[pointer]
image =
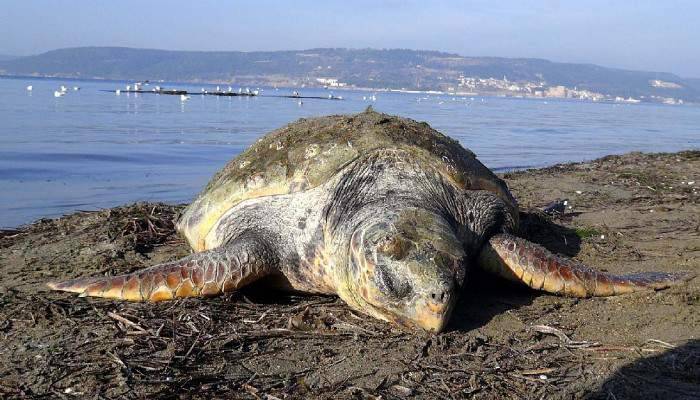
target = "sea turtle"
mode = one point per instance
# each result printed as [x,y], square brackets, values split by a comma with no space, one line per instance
[383,211]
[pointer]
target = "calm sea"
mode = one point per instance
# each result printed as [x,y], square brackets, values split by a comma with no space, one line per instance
[91,149]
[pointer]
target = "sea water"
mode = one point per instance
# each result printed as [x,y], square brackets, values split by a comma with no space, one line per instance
[91,149]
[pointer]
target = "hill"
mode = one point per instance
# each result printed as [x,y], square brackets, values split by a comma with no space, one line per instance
[370,68]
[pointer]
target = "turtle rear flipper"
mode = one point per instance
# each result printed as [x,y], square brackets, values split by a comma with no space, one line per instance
[207,273]
[519,260]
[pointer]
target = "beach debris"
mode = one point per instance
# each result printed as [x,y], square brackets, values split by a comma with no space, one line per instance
[401,390]
[557,207]
[550,330]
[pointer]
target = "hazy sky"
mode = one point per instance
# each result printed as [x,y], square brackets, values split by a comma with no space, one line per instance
[648,35]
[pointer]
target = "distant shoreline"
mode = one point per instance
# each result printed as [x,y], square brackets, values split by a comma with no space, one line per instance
[344,88]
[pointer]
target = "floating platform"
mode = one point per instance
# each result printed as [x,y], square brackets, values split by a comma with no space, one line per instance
[170,92]
[176,92]
[309,97]
[225,94]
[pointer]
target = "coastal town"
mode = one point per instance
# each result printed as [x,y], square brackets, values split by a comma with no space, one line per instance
[506,87]
[474,86]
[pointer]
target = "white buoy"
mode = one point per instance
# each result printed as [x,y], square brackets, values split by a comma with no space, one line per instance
[184,97]
[30,88]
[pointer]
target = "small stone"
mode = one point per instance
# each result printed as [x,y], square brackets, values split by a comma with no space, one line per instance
[602,236]
[578,192]
[401,390]
[543,377]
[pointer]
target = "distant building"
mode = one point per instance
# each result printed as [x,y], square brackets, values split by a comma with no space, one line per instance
[556,91]
[332,82]
[663,84]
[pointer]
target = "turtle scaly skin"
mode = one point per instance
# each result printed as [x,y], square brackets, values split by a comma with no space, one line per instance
[382,211]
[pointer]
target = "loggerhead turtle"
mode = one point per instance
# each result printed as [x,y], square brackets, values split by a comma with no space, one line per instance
[383,211]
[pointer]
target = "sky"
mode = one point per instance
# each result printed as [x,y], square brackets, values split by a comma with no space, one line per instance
[642,35]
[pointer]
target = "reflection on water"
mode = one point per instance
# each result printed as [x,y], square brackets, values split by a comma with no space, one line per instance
[93,149]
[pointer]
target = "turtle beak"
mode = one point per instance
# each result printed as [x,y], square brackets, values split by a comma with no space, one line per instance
[433,313]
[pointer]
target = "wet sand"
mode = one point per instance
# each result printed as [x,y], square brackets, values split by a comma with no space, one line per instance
[636,212]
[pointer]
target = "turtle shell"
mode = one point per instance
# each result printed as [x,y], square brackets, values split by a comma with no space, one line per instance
[308,152]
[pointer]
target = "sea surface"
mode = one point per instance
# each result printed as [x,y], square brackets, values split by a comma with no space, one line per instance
[92,149]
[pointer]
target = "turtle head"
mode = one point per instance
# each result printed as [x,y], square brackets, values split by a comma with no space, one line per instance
[405,267]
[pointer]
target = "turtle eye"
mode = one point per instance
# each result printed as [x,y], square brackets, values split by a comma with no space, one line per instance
[388,283]
[395,247]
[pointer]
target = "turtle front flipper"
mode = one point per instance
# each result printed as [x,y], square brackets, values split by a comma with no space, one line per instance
[208,273]
[519,260]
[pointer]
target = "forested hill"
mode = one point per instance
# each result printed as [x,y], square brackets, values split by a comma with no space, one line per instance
[372,68]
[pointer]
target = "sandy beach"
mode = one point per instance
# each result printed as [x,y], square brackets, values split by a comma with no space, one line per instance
[636,212]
